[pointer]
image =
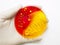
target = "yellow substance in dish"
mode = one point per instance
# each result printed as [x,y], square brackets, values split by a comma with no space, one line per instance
[37,26]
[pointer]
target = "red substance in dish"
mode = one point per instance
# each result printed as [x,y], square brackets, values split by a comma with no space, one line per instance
[23,18]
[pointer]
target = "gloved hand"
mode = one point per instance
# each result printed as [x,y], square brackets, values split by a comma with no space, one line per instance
[8,33]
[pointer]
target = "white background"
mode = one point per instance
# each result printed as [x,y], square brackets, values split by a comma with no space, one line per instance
[52,11]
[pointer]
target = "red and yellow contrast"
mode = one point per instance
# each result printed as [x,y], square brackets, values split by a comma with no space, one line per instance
[30,22]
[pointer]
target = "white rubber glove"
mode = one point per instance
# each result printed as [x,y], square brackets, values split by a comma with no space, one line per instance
[8,33]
